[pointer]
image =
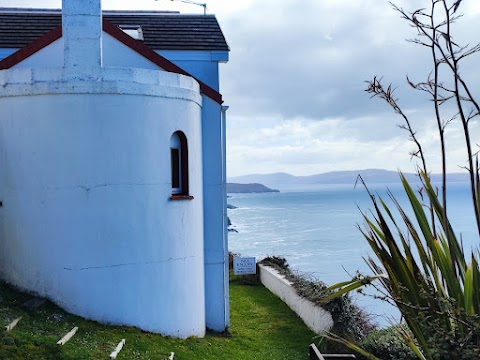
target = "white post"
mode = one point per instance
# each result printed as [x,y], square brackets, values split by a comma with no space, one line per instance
[14,323]
[82,35]
[117,350]
[68,336]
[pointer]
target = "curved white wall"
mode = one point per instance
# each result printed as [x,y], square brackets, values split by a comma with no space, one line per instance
[85,184]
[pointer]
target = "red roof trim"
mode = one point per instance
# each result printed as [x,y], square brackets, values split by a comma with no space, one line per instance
[32,48]
[157,59]
[118,34]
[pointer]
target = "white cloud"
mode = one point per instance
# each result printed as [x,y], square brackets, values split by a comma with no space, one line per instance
[306,146]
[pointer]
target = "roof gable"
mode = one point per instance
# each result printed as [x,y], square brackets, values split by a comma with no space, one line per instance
[157,59]
[119,35]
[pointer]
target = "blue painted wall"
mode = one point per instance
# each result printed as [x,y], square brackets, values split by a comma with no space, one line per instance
[201,64]
[214,213]
[6,52]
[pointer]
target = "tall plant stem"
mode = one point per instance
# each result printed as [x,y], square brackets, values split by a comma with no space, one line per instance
[441,130]
[463,118]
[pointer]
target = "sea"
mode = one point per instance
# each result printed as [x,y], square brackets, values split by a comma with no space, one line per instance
[315,227]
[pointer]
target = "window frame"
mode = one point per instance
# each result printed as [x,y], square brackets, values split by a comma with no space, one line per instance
[179,167]
[134,31]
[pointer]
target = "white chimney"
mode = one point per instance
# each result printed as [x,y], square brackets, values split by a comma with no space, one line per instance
[82,35]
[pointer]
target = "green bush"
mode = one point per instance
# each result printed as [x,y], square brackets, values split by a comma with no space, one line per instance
[388,344]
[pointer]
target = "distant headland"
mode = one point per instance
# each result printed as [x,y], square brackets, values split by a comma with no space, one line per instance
[370,176]
[235,188]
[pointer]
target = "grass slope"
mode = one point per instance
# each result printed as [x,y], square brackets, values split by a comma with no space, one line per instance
[262,327]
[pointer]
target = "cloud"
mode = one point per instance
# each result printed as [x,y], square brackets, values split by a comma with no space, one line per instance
[281,61]
[296,84]
[305,146]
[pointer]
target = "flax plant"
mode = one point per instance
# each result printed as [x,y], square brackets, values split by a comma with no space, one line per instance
[419,263]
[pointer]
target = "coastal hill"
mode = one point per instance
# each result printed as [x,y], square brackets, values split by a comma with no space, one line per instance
[371,176]
[235,188]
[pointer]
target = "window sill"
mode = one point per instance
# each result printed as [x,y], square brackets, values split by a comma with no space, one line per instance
[181,197]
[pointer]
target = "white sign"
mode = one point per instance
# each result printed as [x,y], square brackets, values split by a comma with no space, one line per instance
[244,266]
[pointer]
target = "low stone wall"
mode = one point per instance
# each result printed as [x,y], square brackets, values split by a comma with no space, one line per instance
[316,318]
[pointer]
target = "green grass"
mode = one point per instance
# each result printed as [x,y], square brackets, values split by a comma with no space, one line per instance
[262,327]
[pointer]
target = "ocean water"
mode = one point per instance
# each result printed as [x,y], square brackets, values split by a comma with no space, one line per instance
[315,228]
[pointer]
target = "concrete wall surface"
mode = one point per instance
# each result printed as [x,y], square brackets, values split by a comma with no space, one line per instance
[316,318]
[111,80]
[87,219]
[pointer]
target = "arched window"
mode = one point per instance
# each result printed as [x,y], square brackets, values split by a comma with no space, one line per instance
[179,165]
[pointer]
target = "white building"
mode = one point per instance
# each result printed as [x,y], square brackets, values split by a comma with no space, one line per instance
[112,165]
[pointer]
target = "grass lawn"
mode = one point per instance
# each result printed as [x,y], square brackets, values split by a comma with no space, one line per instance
[262,327]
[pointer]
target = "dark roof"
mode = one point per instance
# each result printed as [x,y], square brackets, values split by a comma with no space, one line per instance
[161,30]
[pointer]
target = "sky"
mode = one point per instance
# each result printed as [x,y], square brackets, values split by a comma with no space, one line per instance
[296,78]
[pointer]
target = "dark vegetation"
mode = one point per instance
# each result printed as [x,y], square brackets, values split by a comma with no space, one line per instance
[386,344]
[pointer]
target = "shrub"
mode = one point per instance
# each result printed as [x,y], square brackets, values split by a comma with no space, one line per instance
[388,344]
